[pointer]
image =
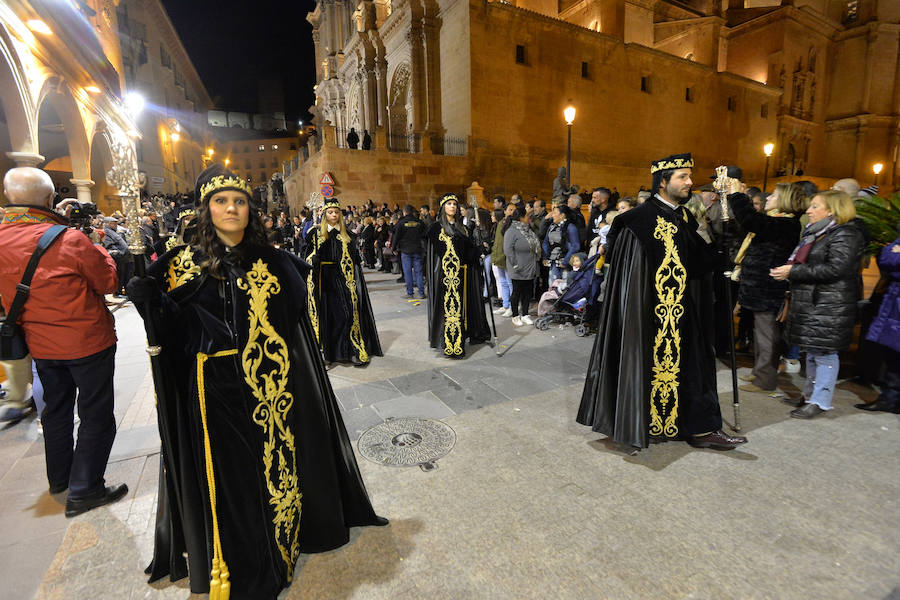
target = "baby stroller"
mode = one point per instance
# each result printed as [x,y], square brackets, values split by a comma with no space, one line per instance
[578,303]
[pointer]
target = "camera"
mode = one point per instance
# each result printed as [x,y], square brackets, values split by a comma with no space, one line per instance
[82,213]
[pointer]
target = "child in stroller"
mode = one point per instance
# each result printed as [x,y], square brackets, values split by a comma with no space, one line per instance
[574,300]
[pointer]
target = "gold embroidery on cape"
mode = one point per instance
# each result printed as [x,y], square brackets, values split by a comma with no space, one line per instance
[670,282]
[450,265]
[171,243]
[350,280]
[219,586]
[311,290]
[266,365]
[182,268]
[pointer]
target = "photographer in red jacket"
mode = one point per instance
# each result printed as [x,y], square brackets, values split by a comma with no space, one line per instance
[70,334]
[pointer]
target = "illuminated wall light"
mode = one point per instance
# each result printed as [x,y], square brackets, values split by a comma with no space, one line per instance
[176,136]
[38,26]
[92,89]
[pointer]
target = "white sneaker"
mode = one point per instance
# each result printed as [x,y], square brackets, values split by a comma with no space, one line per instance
[500,311]
[517,321]
[507,312]
[527,320]
[791,365]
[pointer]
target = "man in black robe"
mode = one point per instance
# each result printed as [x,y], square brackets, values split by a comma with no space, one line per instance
[652,372]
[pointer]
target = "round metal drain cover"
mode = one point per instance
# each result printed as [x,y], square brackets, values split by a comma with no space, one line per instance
[407,442]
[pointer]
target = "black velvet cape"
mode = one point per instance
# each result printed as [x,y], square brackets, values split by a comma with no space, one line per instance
[339,306]
[249,424]
[652,371]
[455,305]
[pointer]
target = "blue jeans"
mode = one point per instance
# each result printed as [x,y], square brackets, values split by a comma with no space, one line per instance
[793,352]
[557,271]
[487,270]
[821,374]
[412,268]
[504,285]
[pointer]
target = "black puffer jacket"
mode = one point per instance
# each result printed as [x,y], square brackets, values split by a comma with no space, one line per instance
[774,239]
[825,290]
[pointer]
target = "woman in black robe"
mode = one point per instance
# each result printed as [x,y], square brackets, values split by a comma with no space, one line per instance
[338,300]
[257,465]
[455,304]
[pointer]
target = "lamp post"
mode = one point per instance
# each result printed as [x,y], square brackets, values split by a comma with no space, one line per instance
[569,115]
[876,168]
[767,150]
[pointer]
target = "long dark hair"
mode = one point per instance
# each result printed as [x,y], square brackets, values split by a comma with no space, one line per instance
[213,247]
[451,228]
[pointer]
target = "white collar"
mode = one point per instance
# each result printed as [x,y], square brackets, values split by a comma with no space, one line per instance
[667,203]
[331,228]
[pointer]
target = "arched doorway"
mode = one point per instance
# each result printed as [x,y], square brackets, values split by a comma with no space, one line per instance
[61,138]
[397,109]
[16,134]
[104,195]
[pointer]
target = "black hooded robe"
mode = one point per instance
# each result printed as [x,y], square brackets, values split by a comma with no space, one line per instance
[455,304]
[257,464]
[338,301]
[652,372]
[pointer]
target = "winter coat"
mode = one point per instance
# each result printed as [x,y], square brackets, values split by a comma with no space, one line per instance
[774,239]
[498,259]
[885,329]
[522,250]
[825,290]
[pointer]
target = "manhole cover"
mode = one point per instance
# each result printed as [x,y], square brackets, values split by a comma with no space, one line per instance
[407,442]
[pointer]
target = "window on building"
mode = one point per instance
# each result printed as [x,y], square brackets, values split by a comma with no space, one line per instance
[764,110]
[688,94]
[246,149]
[275,147]
[247,164]
[293,146]
[645,84]
[261,148]
[274,163]
[520,54]
[732,103]
[164,57]
[262,176]
[262,163]
[585,70]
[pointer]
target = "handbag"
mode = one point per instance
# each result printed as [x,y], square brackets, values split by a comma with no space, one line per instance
[12,338]
[785,308]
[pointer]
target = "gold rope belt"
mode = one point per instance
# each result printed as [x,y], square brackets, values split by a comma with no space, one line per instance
[219,586]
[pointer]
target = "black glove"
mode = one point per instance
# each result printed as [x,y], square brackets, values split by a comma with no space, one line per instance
[314,260]
[143,290]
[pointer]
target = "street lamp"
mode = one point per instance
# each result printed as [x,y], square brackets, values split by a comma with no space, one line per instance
[227,160]
[876,168]
[569,115]
[767,150]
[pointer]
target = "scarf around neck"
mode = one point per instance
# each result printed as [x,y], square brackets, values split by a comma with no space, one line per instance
[810,234]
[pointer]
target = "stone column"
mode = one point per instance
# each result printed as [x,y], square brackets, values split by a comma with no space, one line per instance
[382,90]
[612,18]
[83,189]
[434,124]
[416,77]
[25,159]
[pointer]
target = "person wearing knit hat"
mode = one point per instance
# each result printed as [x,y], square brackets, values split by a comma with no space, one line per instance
[453,264]
[652,374]
[257,465]
[338,300]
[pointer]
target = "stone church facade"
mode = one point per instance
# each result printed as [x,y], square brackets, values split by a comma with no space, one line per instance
[719,78]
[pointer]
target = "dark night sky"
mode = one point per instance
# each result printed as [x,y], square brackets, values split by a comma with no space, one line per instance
[234,43]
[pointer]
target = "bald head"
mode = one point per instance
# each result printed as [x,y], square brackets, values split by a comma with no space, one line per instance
[851,186]
[27,185]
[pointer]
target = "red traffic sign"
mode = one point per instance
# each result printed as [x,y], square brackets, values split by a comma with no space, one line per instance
[326,179]
[327,191]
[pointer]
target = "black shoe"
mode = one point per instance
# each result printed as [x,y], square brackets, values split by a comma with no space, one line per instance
[408,296]
[58,489]
[807,411]
[717,440]
[107,495]
[421,296]
[401,280]
[879,406]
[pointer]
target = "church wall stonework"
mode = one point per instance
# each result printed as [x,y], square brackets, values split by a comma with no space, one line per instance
[520,135]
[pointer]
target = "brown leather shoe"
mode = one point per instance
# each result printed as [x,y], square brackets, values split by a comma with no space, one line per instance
[717,440]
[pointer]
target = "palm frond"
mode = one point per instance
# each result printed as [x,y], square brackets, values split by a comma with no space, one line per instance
[881,216]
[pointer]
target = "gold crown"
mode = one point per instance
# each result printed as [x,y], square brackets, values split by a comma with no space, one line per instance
[331,203]
[187,213]
[678,163]
[221,182]
[448,197]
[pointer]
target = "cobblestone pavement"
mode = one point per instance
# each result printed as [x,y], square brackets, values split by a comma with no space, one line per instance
[527,505]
